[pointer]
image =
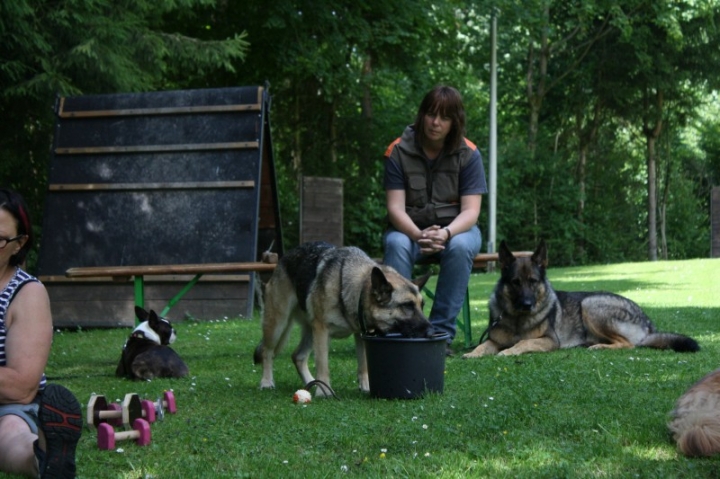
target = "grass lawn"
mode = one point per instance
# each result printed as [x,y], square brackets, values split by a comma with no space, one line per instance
[566,414]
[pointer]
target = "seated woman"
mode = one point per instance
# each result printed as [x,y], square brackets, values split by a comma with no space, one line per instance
[40,423]
[434,179]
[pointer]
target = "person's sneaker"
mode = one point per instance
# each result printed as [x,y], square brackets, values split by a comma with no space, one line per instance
[449,351]
[61,424]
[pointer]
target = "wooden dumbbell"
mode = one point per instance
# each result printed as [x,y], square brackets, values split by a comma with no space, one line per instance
[107,437]
[99,411]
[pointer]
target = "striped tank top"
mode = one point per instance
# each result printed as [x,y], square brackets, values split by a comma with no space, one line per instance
[20,279]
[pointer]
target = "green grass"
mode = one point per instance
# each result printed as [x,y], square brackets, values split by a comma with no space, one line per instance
[572,413]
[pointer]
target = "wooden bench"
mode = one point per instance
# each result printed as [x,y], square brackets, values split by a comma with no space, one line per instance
[124,273]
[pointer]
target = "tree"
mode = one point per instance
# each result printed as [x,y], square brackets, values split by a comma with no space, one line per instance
[675,48]
[578,99]
[82,47]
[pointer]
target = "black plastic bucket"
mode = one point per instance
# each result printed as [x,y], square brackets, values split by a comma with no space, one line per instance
[405,368]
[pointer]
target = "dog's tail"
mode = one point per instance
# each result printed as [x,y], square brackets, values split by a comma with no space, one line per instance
[677,342]
[697,433]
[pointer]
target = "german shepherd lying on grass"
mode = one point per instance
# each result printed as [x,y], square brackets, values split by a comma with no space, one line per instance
[528,315]
[333,293]
[696,418]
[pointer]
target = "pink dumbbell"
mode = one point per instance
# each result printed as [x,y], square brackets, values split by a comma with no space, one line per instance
[107,437]
[164,403]
[168,402]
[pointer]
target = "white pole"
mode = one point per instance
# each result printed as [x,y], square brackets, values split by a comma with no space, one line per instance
[492,234]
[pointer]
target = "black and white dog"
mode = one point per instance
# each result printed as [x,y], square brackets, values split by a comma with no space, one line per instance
[146,354]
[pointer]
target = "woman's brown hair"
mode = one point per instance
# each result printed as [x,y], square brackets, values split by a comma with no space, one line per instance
[445,101]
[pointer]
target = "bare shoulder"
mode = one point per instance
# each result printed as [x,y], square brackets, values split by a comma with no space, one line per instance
[32,291]
[30,301]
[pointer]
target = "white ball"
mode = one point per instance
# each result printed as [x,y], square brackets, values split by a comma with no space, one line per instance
[302,396]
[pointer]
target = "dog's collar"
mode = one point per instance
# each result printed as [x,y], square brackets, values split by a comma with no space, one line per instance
[486,334]
[361,314]
[144,331]
[137,334]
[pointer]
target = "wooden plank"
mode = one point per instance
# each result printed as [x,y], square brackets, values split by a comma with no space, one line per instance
[92,292]
[184,278]
[111,304]
[93,314]
[235,145]
[51,278]
[176,278]
[152,186]
[183,110]
[160,292]
[94,271]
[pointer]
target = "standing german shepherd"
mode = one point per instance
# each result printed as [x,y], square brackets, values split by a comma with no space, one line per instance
[334,292]
[527,315]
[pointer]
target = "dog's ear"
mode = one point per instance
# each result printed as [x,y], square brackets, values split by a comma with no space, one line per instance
[420,281]
[141,314]
[539,257]
[153,318]
[381,288]
[505,256]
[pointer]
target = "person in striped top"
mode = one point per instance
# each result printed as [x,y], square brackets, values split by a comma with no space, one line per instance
[40,423]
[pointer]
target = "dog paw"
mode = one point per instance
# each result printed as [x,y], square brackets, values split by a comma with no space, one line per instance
[267,384]
[516,351]
[488,348]
[512,352]
[364,384]
[321,393]
[478,353]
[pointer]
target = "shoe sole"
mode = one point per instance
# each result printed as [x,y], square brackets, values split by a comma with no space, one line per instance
[61,423]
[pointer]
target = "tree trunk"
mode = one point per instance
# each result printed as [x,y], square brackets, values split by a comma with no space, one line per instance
[651,134]
[332,131]
[652,200]
[536,91]
[582,195]
[367,156]
[535,95]
[297,142]
[663,211]
[587,126]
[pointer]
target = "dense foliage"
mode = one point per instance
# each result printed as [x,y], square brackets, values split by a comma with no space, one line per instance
[607,110]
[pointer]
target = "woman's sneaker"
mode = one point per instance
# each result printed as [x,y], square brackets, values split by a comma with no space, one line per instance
[61,424]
